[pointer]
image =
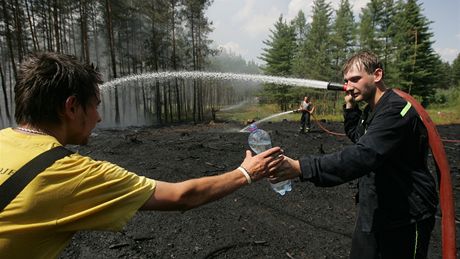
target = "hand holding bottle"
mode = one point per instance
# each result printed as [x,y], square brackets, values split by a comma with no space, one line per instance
[259,140]
[288,169]
[263,164]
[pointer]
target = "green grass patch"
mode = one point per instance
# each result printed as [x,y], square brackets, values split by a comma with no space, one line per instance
[446,107]
[440,115]
[445,116]
[251,112]
[260,111]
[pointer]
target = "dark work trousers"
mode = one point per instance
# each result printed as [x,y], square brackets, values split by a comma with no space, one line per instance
[398,243]
[305,121]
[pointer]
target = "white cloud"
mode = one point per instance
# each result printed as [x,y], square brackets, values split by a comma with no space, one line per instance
[260,24]
[296,5]
[356,5]
[246,12]
[254,19]
[447,54]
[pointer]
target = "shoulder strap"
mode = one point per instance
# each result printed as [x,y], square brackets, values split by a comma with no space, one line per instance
[19,180]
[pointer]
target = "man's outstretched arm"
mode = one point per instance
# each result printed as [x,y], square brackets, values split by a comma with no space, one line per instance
[195,192]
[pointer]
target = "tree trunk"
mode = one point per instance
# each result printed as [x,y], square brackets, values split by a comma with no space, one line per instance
[84,31]
[158,102]
[173,58]
[48,26]
[31,20]
[56,26]
[5,96]
[18,25]
[165,102]
[178,102]
[95,34]
[8,37]
[195,88]
[72,33]
[170,102]
[108,7]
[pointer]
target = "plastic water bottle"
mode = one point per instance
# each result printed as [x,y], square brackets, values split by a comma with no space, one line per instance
[259,141]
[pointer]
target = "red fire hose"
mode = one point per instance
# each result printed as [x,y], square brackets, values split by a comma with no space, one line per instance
[324,128]
[449,250]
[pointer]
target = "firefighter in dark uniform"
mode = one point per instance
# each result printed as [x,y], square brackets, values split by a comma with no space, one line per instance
[307,109]
[397,197]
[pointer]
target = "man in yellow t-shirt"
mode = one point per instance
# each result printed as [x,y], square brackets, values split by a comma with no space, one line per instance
[56,104]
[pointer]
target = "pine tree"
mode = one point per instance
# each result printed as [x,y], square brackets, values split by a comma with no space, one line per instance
[315,52]
[278,56]
[280,49]
[375,30]
[386,32]
[456,71]
[301,29]
[343,38]
[301,26]
[367,28]
[415,60]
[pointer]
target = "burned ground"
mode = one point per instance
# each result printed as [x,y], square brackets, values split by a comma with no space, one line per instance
[253,222]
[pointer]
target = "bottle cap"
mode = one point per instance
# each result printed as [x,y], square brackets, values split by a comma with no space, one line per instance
[252,127]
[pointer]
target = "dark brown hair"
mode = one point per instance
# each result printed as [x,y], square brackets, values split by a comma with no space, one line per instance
[363,60]
[44,83]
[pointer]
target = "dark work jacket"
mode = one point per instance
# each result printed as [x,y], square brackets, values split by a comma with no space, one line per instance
[390,159]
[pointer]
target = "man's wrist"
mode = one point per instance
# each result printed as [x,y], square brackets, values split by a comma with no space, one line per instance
[246,174]
[301,175]
[349,105]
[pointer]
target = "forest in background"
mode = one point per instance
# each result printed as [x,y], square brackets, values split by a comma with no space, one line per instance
[396,30]
[135,36]
[120,38]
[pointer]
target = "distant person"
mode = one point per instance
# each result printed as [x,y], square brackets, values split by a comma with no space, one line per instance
[397,197]
[213,113]
[56,104]
[306,108]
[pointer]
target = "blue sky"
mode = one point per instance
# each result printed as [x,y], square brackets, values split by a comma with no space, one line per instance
[242,25]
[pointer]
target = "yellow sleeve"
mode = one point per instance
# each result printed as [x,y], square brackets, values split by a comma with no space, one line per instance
[105,197]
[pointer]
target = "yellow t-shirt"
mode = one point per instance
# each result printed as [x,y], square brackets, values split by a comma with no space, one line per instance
[75,193]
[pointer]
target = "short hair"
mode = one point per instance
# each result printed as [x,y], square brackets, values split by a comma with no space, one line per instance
[363,60]
[45,81]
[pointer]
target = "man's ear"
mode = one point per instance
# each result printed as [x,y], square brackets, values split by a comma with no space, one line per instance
[378,75]
[70,107]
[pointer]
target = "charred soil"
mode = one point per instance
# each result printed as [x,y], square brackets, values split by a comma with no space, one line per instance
[253,222]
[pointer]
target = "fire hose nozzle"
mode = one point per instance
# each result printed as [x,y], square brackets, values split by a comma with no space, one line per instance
[336,86]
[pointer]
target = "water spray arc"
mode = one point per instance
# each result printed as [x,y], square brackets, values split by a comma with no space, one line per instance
[223,76]
[245,129]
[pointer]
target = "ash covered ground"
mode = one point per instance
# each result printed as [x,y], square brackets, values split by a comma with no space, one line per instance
[253,222]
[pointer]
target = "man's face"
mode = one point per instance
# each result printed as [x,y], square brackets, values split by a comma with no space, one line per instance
[87,120]
[360,85]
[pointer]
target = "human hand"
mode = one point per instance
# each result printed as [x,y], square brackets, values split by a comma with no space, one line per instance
[288,169]
[349,100]
[263,164]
